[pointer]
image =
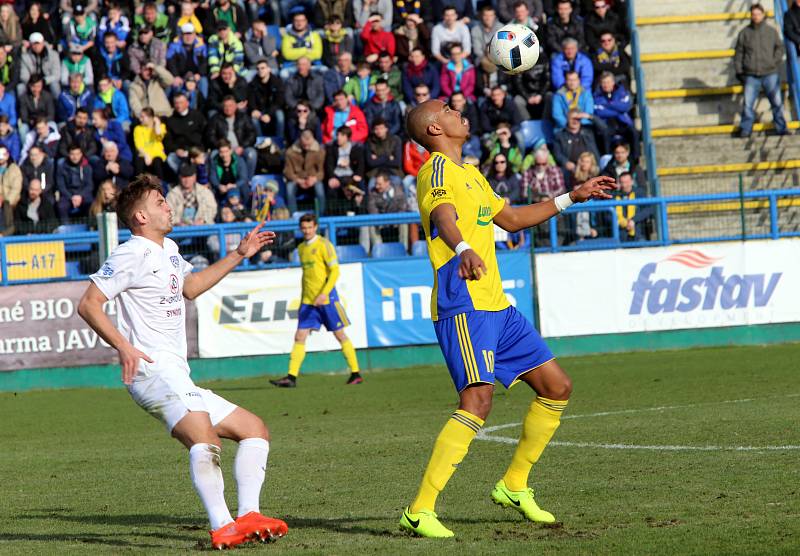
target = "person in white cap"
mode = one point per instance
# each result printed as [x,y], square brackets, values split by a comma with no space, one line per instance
[188,54]
[39,58]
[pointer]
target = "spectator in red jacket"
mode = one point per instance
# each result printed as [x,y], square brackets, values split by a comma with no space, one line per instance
[375,39]
[414,156]
[458,75]
[344,113]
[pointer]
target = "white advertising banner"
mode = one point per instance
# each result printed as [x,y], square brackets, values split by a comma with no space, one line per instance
[255,313]
[669,288]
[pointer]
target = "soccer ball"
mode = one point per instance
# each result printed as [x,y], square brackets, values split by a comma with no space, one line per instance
[514,48]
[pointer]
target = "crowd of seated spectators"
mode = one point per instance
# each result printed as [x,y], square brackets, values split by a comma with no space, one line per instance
[257,109]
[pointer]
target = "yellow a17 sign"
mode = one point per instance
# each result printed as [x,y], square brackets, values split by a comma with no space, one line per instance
[33,261]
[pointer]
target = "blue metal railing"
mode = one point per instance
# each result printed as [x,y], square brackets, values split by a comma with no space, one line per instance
[641,104]
[792,66]
[330,226]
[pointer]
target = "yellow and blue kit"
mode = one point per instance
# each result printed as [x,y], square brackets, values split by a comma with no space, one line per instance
[320,272]
[481,335]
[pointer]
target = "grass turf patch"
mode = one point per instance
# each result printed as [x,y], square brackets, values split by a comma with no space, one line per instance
[86,471]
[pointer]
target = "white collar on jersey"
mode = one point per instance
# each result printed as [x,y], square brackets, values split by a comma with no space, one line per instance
[312,240]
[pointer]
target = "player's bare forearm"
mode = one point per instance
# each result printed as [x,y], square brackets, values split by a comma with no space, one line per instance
[90,309]
[198,283]
[514,219]
[444,218]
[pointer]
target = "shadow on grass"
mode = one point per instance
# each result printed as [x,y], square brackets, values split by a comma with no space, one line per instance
[93,538]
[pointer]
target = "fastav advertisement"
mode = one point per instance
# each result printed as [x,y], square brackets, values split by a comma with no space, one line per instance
[668,288]
[40,328]
[255,313]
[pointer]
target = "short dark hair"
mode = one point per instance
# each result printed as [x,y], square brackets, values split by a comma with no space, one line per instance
[519,3]
[227,65]
[379,121]
[223,143]
[418,49]
[623,174]
[758,6]
[448,8]
[381,81]
[309,217]
[74,147]
[487,8]
[384,175]
[35,78]
[339,93]
[226,98]
[345,130]
[130,197]
[385,54]
[334,18]
[81,110]
[149,112]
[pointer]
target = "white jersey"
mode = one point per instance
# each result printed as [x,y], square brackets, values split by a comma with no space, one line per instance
[147,282]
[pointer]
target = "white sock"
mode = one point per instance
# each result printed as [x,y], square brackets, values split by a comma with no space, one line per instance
[249,469]
[207,479]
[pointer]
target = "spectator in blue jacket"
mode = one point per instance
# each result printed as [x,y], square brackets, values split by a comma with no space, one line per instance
[572,96]
[75,184]
[571,59]
[9,138]
[113,62]
[383,106]
[77,95]
[188,54]
[613,104]
[107,129]
[110,96]
[115,23]
[419,71]
[8,105]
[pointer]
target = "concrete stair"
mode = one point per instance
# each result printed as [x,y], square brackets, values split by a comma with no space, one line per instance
[688,61]
[673,7]
[719,149]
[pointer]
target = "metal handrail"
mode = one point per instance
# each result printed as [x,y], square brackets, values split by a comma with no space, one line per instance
[792,65]
[641,103]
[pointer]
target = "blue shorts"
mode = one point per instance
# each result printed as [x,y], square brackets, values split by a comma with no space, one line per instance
[484,346]
[331,315]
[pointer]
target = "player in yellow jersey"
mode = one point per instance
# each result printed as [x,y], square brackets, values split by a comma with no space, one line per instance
[320,304]
[483,338]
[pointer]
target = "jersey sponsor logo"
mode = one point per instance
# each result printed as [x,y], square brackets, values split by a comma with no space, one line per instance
[175,261]
[699,293]
[173,283]
[484,216]
[438,193]
[106,270]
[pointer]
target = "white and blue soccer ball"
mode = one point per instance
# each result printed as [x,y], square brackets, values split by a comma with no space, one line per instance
[514,48]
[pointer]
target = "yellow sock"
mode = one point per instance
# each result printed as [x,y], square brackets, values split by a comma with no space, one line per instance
[540,424]
[450,448]
[296,358]
[349,353]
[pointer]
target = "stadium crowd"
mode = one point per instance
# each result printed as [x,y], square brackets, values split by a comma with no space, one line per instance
[258,109]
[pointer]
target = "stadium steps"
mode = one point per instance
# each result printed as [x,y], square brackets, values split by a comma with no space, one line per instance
[695,107]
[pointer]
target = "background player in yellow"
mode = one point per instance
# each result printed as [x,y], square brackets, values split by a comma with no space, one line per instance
[320,304]
[483,338]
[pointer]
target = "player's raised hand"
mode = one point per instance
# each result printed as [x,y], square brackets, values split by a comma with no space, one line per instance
[471,266]
[129,359]
[254,241]
[595,188]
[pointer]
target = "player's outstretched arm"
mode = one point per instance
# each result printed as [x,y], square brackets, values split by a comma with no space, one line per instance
[444,218]
[514,219]
[202,281]
[90,309]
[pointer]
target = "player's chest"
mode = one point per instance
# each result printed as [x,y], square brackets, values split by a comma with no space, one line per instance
[162,279]
[473,202]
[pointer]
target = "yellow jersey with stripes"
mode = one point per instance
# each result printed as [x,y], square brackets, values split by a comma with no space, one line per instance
[441,181]
[318,258]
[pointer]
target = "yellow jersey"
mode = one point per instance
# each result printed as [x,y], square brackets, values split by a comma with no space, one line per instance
[320,269]
[442,181]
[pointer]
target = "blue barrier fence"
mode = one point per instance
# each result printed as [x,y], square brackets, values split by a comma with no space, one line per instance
[641,104]
[87,242]
[793,68]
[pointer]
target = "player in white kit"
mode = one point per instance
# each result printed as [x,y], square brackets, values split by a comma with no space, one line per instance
[149,279]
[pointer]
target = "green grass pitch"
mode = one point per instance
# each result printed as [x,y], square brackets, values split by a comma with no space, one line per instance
[87,472]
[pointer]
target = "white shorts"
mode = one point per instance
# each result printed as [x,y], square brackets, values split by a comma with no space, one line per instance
[169,394]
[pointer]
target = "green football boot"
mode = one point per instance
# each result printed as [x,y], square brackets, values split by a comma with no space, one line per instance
[424,524]
[522,501]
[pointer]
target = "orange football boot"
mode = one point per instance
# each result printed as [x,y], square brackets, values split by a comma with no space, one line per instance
[228,536]
[259,527]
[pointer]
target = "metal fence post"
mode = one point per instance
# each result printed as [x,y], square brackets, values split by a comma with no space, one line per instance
[773,216]
[741,207]
[3,261]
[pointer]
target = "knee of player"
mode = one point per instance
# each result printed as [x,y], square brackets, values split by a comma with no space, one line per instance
[559,390]
[260,429]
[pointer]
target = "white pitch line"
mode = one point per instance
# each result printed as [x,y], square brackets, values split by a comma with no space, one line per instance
[484,433]
[667,448]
